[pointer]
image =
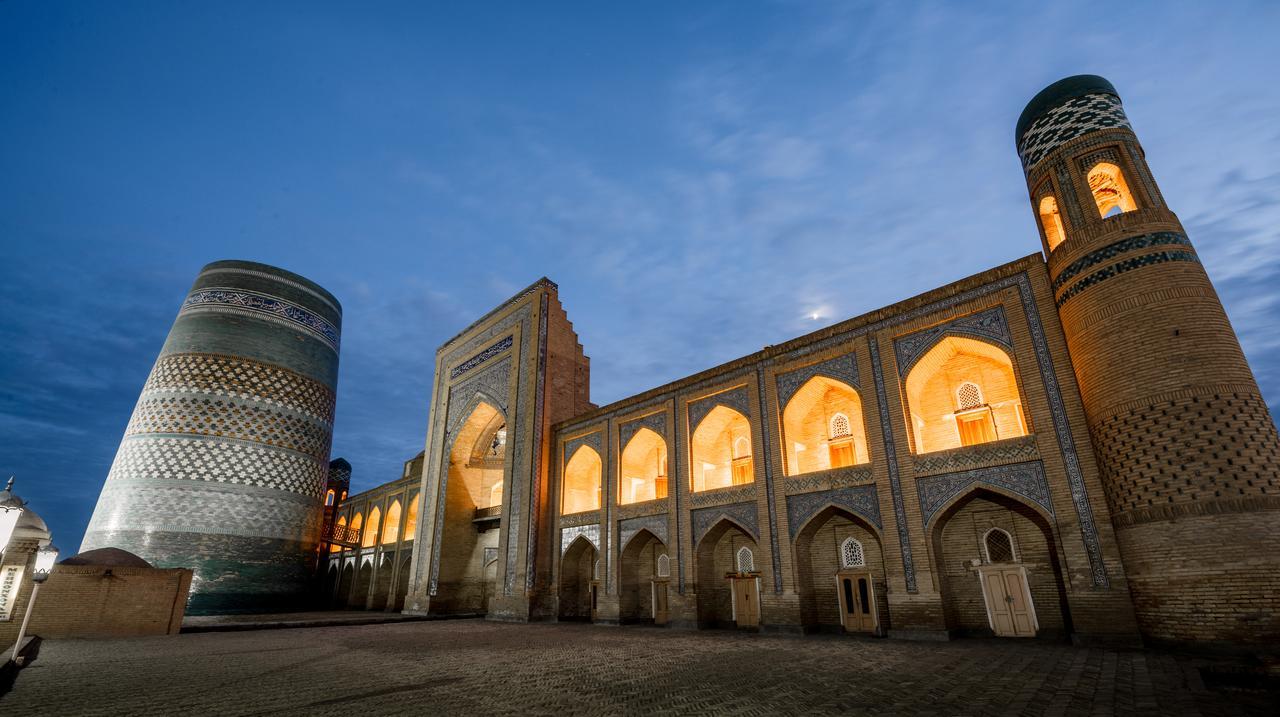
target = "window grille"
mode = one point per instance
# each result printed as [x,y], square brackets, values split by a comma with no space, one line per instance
[969,395]
[664,566]
[746,561]
[840,426]
[999,546]
[851,554]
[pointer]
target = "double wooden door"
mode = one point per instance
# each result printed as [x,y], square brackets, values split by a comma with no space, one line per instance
[1009,606]
[660,606]
[746,601]
[857,596]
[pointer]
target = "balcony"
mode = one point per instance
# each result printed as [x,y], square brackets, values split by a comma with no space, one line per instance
[487,518]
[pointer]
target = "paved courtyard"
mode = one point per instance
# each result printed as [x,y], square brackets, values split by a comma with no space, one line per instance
[481,668]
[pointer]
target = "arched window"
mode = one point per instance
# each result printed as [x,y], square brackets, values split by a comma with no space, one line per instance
[328,497]
[963,392]
[581,482]
[968,396]
[999,545]
[595,570]
[1110,191]
[664,566]
[391,526]
[342,524]
[746,560]
[851,554]
[411,523]
[344,496]
[721,450]
[370,537]
[644,468]
[823,428]
[1051,221]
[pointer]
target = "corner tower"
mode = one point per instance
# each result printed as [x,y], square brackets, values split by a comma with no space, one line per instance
[1188,450]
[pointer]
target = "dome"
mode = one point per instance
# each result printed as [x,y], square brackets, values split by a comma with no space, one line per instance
[1059,92]
[31,520]
[112,557]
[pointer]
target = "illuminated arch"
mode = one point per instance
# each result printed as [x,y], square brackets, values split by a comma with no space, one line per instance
[1110,190]
[411,523]
[370,537]
[342,523]
[329,497]
[1051,222]
[357,523]
[822,427]
[717,450]
[644,468]
[938,420]
[581,482]
[391,525]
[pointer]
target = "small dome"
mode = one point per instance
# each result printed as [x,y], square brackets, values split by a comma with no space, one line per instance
[1059,92]
[31,520]
[113,557]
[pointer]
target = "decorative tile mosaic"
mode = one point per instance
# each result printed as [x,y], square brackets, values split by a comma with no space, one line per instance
[891,461]
[648,507]
[278,279]
[489,386]
[743,514]
[656,524]
[595,439]
[1010,450]
[481,357]
[859,500]
[205,508]
[735,398]
[828,479]
[1023,479]
[212,374]
[986,324]
[656,422]
[770,501]
[1111,251]
[842,368]
[1123,266]
[229,417]
[587,518]
[722,496]
[532,545]
[262,306]
[218,460]
[1068,121]
[567,536]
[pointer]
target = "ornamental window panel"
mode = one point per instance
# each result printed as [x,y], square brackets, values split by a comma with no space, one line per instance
[851,555]
[968,396]
[664,566]
[746,560]
[999,546]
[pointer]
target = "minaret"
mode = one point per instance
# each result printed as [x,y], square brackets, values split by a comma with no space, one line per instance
[1188,450]
[223,466]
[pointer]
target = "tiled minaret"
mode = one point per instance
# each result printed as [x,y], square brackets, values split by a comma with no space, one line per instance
[223,465]
[1188,449]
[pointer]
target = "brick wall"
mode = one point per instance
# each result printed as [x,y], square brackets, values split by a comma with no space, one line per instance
[82,601]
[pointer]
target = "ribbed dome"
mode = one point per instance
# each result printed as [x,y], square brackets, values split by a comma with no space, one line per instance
[1059,92]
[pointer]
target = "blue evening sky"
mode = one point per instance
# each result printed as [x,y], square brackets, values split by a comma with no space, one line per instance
[700,178]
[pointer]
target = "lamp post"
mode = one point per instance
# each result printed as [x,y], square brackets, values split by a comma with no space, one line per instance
[11,508]
[45,558]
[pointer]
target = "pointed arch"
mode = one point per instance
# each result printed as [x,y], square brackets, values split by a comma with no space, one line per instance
[823,427]
[1051,222]
[411,522]
[370,537]
[581,487]
[937,421]
[391,524]
[1110,190]
[715,450]
[342,523]
[643,468]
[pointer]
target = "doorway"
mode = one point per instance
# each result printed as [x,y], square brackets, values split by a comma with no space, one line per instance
[1009,606]
[857,595]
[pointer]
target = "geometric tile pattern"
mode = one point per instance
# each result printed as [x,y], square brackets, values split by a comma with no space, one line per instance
[1123,266]
[735,398]
[1111,251]
[1024,479]
[841,368]
[656,422]
[481,357]
[164,506]
[827,480]
[218,461]
[987,324]
[1005,451]
[568,535]
[861,500]
[231,418]
[1068,121]
[656,524]
[213,374]
[260,306]
[743,514]
[891,461]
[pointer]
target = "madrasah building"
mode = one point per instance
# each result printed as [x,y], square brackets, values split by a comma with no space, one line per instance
[1068,445]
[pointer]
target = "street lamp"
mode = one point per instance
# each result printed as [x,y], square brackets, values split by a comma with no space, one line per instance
[11,508]
[45,559]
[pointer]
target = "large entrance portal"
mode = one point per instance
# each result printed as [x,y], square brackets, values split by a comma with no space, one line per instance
[840,574]
[473,510]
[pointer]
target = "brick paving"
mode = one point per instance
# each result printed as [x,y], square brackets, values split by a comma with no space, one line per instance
[476,667]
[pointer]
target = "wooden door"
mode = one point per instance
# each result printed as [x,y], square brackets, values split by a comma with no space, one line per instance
[660,602]
[1009,605]
[746,602]
[857,598]
[595,598]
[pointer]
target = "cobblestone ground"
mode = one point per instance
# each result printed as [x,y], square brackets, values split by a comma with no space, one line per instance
[481,668]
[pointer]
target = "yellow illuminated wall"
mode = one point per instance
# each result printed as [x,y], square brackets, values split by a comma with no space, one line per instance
[822,427]
[582,481]
[644,468]
[941,391]
[721,450]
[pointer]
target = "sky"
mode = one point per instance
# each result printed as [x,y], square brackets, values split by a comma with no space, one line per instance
[700,179]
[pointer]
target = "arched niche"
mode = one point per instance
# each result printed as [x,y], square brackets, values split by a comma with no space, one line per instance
[823,427]
[581,485]
[940,391]
[643,468]
[721,450]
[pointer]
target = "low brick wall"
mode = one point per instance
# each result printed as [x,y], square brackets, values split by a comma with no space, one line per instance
[106,601]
